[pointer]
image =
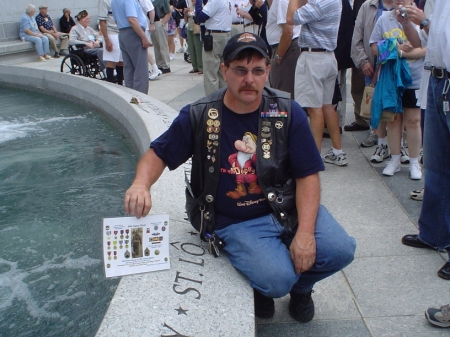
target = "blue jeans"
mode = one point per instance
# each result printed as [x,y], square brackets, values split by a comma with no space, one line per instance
[434,220]
[259,249]
[41,44]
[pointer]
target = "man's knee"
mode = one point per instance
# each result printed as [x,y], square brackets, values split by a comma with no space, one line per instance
[277,283]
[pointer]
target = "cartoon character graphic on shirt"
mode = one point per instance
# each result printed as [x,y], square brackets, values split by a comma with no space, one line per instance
[243,164]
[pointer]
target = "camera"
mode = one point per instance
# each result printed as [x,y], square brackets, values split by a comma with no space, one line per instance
[403,12]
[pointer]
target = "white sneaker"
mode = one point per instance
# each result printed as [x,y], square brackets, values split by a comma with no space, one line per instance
[339,160]
[171,57]
[415,171]
[41,59]
[391,168]
[154,74]
[181,50]
[404,159]
[381,153]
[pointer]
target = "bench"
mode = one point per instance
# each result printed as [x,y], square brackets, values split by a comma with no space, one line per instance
[10,42]
[13,47]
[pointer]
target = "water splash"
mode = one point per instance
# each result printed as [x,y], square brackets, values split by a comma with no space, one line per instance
[10,130]
[13,285]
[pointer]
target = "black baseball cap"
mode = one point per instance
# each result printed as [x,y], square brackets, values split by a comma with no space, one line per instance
[242,41]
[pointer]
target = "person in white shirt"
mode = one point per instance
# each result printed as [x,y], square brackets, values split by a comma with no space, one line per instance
[283,38]
[217,17]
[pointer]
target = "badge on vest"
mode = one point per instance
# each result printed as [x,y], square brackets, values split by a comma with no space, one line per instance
[213,113]
[274,112]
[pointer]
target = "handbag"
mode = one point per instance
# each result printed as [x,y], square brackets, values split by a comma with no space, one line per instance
[196,29]
[208,42]
[366,103]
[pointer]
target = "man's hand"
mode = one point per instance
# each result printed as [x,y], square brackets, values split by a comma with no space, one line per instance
[145,42]
[367,69]
[138,201]
[303,251]
[414,14]
[108,45]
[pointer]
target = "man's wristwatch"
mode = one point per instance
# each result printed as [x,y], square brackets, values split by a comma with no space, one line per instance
[425,22]
[278,57]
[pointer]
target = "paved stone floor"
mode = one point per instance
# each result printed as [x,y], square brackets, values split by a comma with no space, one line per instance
[387,288]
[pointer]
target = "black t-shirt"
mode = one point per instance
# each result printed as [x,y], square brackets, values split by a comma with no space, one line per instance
[239,196]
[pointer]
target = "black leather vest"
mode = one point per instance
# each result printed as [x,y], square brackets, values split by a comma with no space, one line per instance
[272,164]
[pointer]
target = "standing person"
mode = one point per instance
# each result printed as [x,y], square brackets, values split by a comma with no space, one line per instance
[159,35]
[133,43]
[66,22]
[434,219]
[357,82]
[45,25]
[283,39]
[255,20]
[279,253]
[172,25]
[387,27]
[180,6]
[29,31]
[342,54]
[316,72]
[149,12]
[364,60]
[193,39]
[111,48]
[216,15]
[83,34]
[237,20]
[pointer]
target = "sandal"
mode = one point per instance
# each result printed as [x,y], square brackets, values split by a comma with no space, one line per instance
[193,71]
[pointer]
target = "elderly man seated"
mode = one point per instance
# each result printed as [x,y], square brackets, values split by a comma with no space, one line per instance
[66,22]
[28,31]
[46,26]
[83,34]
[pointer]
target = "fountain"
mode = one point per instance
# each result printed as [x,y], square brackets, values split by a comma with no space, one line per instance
[63,168]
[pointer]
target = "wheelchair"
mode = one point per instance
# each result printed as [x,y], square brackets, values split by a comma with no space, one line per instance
[78,62]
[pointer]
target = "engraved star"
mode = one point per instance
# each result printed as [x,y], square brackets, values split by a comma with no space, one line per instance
[193,233]
[181,311]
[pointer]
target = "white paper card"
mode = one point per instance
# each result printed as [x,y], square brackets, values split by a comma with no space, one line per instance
[132,246]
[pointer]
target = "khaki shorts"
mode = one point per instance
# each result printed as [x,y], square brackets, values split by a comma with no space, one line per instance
[114,55]
[315,78]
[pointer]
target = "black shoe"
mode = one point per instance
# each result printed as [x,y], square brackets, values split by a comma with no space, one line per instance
[301,307]
[61,53]
[264,306]
[413,240]
[444,272]
[56,56]
[356,127]
[164,71]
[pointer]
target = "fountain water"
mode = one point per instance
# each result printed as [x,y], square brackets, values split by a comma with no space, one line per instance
[62,169]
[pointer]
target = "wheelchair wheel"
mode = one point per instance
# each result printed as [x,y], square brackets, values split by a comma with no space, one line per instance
[72,64]
[94,70]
